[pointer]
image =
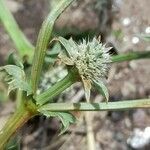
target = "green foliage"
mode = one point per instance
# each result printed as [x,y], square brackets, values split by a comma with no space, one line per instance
[100,86]
[70,47]
[52,54]
[131,56]
[102,106]
[14,60]
[65,117]
[43,42]
[13,144]
[16,79]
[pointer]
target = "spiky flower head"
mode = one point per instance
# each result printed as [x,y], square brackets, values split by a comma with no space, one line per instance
[91,58]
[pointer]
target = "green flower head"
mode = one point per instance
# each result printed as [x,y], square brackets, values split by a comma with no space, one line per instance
[92,60]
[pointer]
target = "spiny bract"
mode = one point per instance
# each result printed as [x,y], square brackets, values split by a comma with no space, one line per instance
[91,58]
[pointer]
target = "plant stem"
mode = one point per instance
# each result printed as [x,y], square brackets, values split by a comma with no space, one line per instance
[130,56]
[43,41]
[14,123]
[58,88]
[19,95]
[89,129]
[120,105]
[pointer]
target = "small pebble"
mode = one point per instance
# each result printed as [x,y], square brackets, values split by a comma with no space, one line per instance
[135,40]
[139,139]
[126,21]
[147,30]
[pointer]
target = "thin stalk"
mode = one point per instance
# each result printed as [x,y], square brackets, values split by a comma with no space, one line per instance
[120,105]
[57,88]
[22,44]
[26,110]
[131,56]
[90,133]
[19,95]
[15,122]
[43,41]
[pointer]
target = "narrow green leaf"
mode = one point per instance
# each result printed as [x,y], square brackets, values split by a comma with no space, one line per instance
[65,117]
[24,47]
[102,106]
[43,41]
[87,88]
[54,51]
[15,77]
[69,45]
[51,54]
[100,86]
[14,60]
[131,56]
[14,144]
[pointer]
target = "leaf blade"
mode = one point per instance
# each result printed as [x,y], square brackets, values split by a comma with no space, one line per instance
[87,88]
[43,42]
[65,117]
[69,45]
[15,77]
[100,86]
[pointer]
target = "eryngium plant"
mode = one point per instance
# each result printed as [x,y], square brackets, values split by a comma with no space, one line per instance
[88,62]
[91,59]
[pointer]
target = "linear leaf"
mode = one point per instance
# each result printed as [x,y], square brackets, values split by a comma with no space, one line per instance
[69,45]
[87,88]
[51,55]
[100,86]
[102,106]
[43,41]
[14,60]
[131,56]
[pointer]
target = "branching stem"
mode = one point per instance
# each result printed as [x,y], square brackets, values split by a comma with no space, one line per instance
[120,105]
[58,88]
[131,56]
[14,123]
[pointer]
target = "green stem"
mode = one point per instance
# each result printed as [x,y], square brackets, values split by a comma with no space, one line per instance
[19,95]
[22,44]
[26,110]
[58,88]
[130,56]
[14,123]
[43,42]
[120,105]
